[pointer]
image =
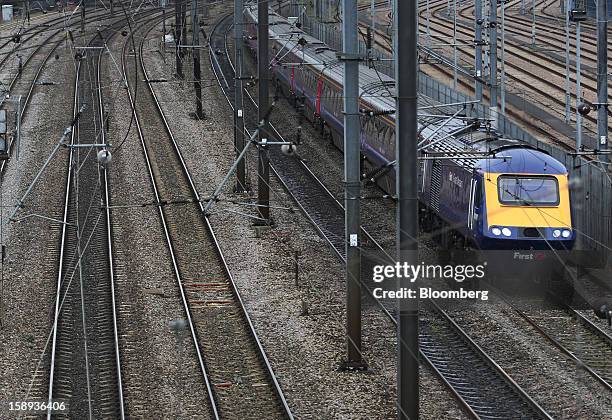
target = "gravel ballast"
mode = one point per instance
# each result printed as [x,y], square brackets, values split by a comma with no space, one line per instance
[305,350]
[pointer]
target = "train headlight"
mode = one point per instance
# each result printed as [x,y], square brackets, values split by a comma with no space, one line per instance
[556,233]
[506,231]
[566,233]
[496,231]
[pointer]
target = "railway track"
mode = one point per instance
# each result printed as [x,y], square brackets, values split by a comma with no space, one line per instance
[23,84]
[588,345]
[85,362]
[546,58]
[516,106]
[554,26]
[573,333]
[526,70]
[482,388]
[232,362]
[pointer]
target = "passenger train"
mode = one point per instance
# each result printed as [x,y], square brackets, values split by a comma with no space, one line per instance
[480,190]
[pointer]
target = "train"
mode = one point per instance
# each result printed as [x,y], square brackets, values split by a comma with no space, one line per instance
[477,189]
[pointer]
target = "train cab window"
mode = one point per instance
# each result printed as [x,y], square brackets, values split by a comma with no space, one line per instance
[528,190]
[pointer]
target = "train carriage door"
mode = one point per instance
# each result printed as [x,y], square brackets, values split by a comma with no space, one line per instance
[318,98]
[475,208]
[470,212]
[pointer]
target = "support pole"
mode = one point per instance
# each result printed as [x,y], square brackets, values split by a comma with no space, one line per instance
[568,94]
[352,182]
[238,99]
[493,57]
[179,12]
[602,76]
[478,41]
[503,57]
[487,41]
[197,71]
[164,34]
[373,15]
[82,16]
[578,91]
[455,62]
[407,212]
[18,126]
[263,71]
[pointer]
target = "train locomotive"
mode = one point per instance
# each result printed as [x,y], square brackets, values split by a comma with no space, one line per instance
[477,190]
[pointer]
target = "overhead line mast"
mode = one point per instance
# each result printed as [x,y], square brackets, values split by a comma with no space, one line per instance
[406,139]
[602,77]
[263,71]
[352,182]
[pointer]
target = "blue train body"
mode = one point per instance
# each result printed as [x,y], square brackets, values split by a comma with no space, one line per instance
[476,189]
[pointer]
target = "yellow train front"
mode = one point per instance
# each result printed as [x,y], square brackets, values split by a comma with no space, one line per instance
[514,197]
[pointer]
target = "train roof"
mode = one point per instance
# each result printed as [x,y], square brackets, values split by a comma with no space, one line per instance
[440,133]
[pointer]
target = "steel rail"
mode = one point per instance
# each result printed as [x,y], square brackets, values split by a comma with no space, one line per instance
[218,249]
[33,31]
[559,100]
[590,38]
[63,244]
[33,84]
[593,329]
[221,79]
[60,277]
[143,142]
[526,56]
[514,112]
[462,334]
[26,103]
[544,94]
[109,242]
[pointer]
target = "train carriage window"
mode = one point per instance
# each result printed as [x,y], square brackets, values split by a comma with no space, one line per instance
[336,101]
